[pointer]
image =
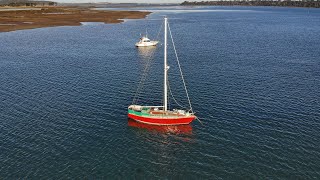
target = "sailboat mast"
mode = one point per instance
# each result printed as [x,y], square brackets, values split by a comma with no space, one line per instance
[165,94]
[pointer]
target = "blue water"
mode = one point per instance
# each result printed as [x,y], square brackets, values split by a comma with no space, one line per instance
[252,75]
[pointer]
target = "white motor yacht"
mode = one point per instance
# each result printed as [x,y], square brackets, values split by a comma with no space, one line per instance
[145,41]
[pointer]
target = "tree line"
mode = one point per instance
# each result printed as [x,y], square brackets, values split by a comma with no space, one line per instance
[26,3]
[287,3]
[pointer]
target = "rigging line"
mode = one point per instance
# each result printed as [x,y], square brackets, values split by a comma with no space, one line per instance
[141,84]
[184,83]
[200,121]
[174,97]
[147,68]
[143,77]
[160,30]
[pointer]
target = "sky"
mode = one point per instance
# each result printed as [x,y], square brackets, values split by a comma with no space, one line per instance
[123,1]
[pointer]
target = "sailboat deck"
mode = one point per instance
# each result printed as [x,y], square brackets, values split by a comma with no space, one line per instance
[159,113]
[162,113]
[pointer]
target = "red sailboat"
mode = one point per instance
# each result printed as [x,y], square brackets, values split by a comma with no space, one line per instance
[161,115]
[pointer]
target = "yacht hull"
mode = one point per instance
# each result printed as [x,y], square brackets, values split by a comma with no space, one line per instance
[146,44]
[162,120]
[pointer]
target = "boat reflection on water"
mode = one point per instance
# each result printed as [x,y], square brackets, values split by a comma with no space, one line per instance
[179,129]
[147,52]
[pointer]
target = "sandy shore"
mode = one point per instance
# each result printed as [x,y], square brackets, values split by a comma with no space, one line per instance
[18,19]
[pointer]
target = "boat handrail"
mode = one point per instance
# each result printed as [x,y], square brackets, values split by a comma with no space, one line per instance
[152,106]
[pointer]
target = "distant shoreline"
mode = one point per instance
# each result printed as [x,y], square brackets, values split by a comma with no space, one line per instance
[306,4]
[20,18]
